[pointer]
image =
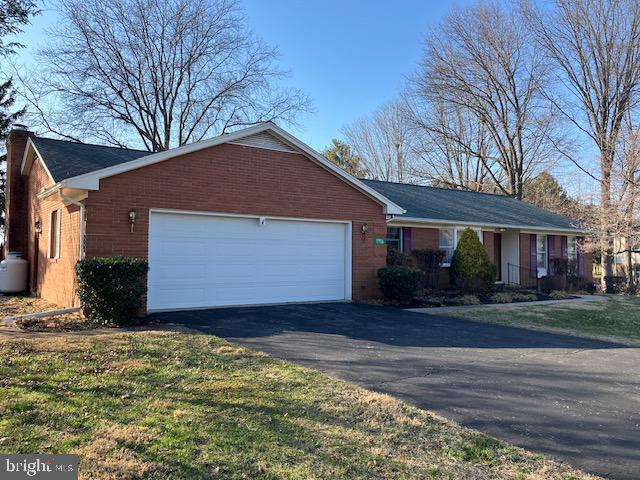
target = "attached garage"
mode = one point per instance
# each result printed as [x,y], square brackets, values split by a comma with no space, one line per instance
[200,260]
[250,217]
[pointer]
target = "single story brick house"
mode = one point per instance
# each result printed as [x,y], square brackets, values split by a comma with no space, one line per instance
[251,217]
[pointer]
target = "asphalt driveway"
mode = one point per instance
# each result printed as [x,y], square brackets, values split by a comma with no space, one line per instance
[575,399]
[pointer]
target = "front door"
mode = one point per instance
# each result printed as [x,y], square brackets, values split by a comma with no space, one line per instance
[497,255]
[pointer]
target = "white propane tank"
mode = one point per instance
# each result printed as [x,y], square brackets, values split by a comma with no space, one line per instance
[13,273]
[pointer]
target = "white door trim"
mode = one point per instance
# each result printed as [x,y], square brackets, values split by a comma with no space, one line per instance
[348,260]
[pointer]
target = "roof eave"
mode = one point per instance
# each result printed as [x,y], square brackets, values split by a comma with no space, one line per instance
[527,228]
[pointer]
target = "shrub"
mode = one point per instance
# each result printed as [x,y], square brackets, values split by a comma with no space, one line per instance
[471,269]
[399,282]
[524,297]
[616,284]
[559,295]
[502,297]
[466,300]
[397,258]
[429,261]
[559,266]
[111,289]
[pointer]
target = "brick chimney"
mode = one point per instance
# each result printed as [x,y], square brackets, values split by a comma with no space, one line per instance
[16,221]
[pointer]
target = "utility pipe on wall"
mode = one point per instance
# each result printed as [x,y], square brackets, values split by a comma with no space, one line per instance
[82,225]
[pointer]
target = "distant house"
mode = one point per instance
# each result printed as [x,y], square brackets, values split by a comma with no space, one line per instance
[621,259]
[251,217]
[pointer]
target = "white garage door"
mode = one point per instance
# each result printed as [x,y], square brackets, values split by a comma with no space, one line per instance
[198,261]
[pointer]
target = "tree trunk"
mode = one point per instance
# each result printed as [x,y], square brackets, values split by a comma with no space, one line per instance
[629,267]
[605,222]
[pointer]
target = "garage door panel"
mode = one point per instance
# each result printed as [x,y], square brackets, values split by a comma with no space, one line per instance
[199,261]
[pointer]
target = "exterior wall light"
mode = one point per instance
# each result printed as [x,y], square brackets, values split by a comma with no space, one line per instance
[365,228]
[132,218]
[37,227]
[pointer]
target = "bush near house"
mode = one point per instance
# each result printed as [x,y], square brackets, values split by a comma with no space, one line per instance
[399,282]
[429,261]
[397,258]
[471,270]
[111,289]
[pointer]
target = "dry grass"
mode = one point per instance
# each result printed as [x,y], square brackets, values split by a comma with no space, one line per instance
[18,305]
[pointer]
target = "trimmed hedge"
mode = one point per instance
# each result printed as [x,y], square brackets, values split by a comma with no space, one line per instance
[399,282]
[111,289]
[471,269]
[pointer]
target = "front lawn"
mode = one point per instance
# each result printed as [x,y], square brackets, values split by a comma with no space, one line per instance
[160,405]
[617,319]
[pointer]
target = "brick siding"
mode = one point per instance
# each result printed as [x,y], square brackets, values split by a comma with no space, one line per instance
[235,179]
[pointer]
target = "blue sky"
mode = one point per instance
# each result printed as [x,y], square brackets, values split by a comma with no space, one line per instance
[348,56]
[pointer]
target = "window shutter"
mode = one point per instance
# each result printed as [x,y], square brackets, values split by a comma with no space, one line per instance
[533,250]
[563,247]
[406,239]
[580,254]
[551,252]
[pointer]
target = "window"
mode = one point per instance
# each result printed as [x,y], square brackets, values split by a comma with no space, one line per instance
[449,241]
[447,244]
[572,250]
[394,238]
[541,254]
[54,235]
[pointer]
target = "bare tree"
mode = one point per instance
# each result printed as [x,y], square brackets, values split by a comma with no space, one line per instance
[168,72]
[481,61]
[595,46]
[452,148]
[383,142]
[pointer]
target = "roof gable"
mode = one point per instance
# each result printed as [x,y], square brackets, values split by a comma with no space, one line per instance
[81,166]
[431,204]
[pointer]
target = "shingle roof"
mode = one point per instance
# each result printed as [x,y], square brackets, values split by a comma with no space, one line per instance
[66,159]
[431,203]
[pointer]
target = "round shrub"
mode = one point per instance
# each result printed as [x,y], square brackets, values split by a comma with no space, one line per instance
[559,295]
[466,300]
[471,270]
[111,289]
[525,297]
[502,297]
[399,282]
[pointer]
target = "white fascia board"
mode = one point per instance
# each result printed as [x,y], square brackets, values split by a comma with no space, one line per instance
[91,181]
[28,159]
[435,223]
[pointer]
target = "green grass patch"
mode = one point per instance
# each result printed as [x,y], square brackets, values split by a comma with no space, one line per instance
[618,318]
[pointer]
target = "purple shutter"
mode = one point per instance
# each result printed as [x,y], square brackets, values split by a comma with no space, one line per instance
[406,239]
[563,247]
[551,252]
[580,256]
[533,250]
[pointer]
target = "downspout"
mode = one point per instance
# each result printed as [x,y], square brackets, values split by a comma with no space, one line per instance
[82,223]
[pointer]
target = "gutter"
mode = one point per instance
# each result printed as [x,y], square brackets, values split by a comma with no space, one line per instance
[402,220]
[82,223]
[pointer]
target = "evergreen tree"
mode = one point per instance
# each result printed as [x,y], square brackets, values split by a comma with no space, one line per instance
[339,153]
[471,269]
